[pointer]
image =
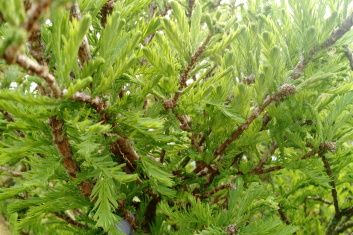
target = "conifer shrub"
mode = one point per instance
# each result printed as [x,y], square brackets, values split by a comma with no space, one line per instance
[176,117]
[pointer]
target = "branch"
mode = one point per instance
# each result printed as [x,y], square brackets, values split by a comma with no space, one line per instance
[12,55]
[320,199]
[216,190]
[34,14]
[36,48]
[332,182]
[97,102]
[191,4]
[10,119]
[265,120]
[334,37]
[332,227]
[84,53]
[284,218]
[336,34]
[64,149]
[349,56]
[185,74]
[262,162]
[71,221]
[152,8]
[106,10]
[325,146]
[343,227]
[11,172]
[216,4]
[33,67]
[284,90]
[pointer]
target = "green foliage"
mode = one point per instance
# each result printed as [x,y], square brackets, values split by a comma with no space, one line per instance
[182,122]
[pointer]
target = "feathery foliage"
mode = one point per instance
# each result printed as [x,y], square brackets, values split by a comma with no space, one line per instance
[176,117]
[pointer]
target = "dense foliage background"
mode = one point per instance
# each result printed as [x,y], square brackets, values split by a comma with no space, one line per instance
[176,117]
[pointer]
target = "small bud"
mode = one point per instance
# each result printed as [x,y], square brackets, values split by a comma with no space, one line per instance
[286,89]
[249,79]
[168,104]
[328,146]
[231,229]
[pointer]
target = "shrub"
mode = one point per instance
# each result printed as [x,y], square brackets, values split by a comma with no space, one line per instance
[181,117]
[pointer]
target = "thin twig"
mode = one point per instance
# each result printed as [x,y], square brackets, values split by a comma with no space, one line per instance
[10,119]
[284,218]
[33,67]
[84,53]
[343,227]
[215,190]
[335,35]
[34,14]
[216,4]
[331,229]
[191,4]
[11,172]
[162,156]
[106,10]
[71,221]
[332,182]
[263,160]
[283,91]
[320,199]
[191,65]
[349,55]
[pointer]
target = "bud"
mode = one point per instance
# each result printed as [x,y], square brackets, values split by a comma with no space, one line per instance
[231,229]
[168,104]
[328,146]
[286,89]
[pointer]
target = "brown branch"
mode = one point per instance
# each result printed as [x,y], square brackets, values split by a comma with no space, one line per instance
[332,182]
[12,55]
[216,4]
[333,225]
[343,227]
[71,221]
[214,191]
[325,146]
[265,120]
[263,160]
[336,34]
[32,66]
[106,10]
[152,8]
[10,172]
[64,149]
[27,4]
[84,53]
[162,156]
[128,216]
[36,47]
[34,14]
[165,11]
[349,55]
[97,102]
[191,4]
[185,73]
[270,169]
[320,199]
[10,119]
[284,90]
[284,218]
